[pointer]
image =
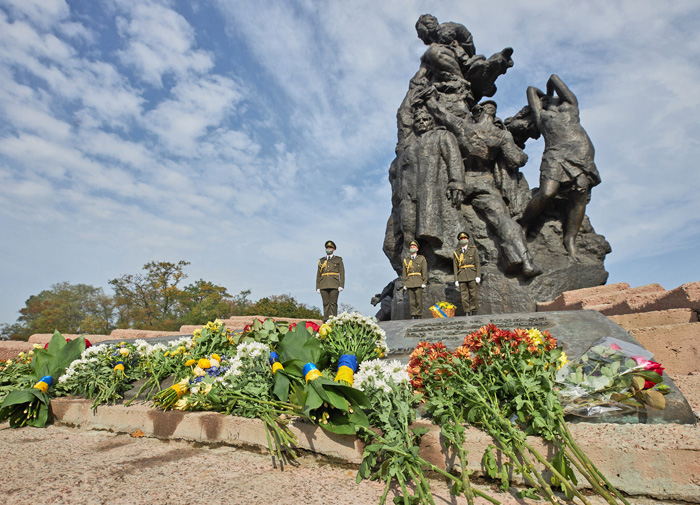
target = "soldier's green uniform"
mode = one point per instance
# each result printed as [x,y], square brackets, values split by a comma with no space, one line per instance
[330,280]
[415,277]
[467,270]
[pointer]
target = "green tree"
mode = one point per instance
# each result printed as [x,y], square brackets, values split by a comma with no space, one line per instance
[283,306]
[203,301]
[68,308]
[151,301]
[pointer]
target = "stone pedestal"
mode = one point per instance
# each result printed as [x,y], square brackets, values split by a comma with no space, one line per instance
[576,331]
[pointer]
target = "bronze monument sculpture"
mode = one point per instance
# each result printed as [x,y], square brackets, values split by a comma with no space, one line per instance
[457,168]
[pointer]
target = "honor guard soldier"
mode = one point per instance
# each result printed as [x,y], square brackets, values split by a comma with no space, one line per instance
[330,280]
[415,278]
[467,272]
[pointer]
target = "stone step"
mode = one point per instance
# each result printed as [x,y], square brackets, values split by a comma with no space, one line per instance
[675,346]
[9,349]
[655,318]
[685,296]
[569,298]
[615,297]
[656,460]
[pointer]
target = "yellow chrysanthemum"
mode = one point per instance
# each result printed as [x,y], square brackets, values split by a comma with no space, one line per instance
[216,357]
[204,363]
[563,360]
[197,333]
[190,362]
[324,330]
[535,336]
[124,351]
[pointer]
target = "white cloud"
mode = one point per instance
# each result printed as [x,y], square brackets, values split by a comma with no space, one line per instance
[43,13]
[196,107]
[160,41]
[143,135]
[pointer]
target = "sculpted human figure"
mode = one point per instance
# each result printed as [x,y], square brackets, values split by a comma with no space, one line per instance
[451,56]
[450,63]
[431,174]
[567,162]
[485,144]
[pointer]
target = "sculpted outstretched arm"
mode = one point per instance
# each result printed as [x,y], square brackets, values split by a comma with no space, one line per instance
[556,84]
[534,100]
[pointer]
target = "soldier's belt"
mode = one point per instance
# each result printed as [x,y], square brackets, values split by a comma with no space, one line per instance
[332,273]
[465,266]
[414,273]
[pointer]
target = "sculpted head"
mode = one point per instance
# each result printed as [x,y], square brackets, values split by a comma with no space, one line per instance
[427,28]
[487,107]
[422,121]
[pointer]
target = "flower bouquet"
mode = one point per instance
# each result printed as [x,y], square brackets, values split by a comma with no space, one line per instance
[197,375]
[612,377]
[14,372]
[246,389]
[103,373]
[503,382]
[267,331]
[335,406]
[349,339]
[443,309]
[30,406]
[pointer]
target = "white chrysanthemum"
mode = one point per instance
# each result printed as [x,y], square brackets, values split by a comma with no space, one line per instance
[152,348]
[141,345]
[252,350]
[95,349]
[235,366]
[182,341]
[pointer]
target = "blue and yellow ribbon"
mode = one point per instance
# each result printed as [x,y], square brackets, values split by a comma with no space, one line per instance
[311,372]
[119,366]
[347,365]
[436,309]
[44,383]
[275,362]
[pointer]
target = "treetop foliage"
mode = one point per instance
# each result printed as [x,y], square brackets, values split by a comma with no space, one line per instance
[153,299]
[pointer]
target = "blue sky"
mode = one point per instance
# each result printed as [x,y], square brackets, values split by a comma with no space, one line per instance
[241,135]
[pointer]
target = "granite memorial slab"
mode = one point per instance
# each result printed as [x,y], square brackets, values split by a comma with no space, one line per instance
[577,331]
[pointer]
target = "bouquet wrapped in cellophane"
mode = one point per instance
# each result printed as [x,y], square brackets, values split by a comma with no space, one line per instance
[612,377]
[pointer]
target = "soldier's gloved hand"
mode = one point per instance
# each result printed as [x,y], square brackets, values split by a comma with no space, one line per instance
[340,289]
[423,286]
[478,280]
[318,291]
[405,288]
[457,283]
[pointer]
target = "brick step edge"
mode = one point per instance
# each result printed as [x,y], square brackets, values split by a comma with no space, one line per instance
[660,461]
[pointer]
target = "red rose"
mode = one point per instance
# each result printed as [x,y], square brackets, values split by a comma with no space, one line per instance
[651,366]
[313,326]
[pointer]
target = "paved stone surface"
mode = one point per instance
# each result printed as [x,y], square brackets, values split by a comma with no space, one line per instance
[61,465]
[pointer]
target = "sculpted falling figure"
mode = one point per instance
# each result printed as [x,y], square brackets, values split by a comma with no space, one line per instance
[567,162]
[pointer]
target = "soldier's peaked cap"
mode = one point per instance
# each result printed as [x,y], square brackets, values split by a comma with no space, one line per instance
[330,243]
[462,234]
[413,242]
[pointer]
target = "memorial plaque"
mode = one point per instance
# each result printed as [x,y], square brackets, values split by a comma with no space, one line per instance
[577,331]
